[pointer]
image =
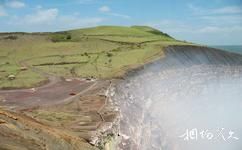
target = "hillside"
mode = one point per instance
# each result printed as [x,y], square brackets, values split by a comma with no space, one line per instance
[99,52]
[42,73]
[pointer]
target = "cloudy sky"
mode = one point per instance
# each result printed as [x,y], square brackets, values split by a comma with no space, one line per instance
[212,22]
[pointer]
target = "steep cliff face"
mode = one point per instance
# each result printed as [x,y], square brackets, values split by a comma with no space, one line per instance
[190,88]
[195,55]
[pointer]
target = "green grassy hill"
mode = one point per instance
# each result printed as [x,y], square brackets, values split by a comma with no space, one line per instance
[112,30]
[100,52]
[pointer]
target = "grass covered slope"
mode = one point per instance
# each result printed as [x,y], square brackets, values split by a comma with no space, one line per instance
[100,52]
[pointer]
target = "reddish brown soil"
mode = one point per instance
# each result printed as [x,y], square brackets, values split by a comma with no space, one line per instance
[47,95]
[77,108]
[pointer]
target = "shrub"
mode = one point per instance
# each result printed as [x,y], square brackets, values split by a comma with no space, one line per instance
[85,54]
[11,37]
[109,54]
[68,37]
[60,37]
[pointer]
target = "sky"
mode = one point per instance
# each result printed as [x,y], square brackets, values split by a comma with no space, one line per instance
[210,22]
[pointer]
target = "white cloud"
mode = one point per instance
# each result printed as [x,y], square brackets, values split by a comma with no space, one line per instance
[222,16]
[120,15]
[42,16]
[215,26]
[39,7]
[170,26]
[209,34]
[216,29]
[15,4]
[2,12]
[223,20]
[107,10]
[104,9]
[227,10]
[51,20]
[209,29]
[76,21]
[85,1]
[193,7]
